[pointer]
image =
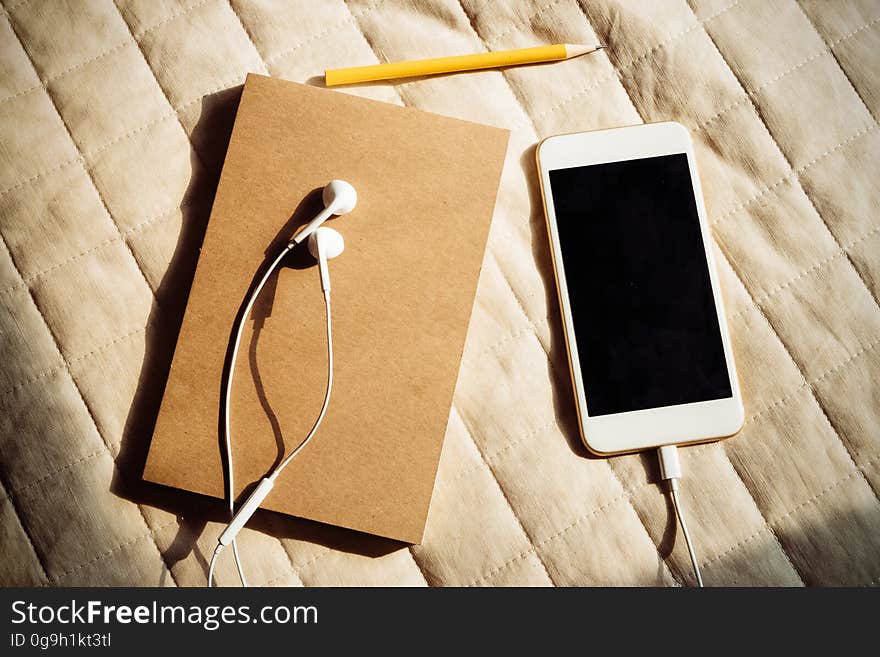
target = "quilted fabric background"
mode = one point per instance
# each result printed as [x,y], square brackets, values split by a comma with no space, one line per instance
[115,116]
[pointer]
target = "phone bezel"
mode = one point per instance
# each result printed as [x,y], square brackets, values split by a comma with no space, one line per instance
[640,430]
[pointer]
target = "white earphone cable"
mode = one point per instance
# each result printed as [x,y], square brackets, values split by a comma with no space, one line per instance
[227,433]
[230,488]
[326,403]
[211,568]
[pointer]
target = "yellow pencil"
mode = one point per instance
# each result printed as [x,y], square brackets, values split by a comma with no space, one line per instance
[437,65]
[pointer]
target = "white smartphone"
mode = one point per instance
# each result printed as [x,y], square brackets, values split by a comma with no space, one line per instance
[648,345]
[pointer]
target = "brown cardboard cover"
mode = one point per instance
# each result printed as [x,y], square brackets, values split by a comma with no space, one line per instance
[402,298]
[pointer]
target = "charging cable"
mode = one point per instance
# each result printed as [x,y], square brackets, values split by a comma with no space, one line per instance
[670,470]
[239,519]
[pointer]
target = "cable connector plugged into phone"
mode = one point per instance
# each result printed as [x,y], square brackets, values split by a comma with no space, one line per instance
[670,470]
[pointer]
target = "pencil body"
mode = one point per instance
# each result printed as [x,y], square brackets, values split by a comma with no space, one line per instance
[445,65]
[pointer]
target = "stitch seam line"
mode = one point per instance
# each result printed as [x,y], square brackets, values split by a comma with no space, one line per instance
[278,578]
[776,537]
[811,500]
[326,552]
[516,97]
[104,555]
[17,514]
[110,240]
[860,351]
[72,361]
[249,37]
[52,334]
[491,456]
[56,76]
[618,71]
[174,16]
[793,173]
[156,79]
[84,156]
[56,472]
[531,543]
[844,444]
[14,507]
[351,18]
[89,173]
[521,22]
[806,272]
[42,84]
[559,533]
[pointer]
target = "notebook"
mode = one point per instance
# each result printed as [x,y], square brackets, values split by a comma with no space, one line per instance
[402,296]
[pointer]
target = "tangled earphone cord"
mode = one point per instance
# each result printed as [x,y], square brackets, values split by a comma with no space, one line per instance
[227,434]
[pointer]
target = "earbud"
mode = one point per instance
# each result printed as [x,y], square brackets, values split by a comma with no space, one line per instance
[325,244]
[339,198]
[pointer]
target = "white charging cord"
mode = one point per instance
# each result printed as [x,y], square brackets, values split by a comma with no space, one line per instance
[237,521]
[670,470]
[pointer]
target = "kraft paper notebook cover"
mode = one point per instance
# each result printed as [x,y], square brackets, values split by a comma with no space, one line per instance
[402,296]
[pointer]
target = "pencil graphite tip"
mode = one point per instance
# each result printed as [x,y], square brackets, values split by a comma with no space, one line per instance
[578,49]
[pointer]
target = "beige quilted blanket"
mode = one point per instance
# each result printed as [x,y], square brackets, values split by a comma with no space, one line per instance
[115,116]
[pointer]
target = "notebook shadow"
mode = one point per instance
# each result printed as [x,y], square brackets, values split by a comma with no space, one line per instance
[193,511]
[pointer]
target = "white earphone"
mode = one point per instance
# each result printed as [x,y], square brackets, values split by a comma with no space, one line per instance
[324,244]
[339,198]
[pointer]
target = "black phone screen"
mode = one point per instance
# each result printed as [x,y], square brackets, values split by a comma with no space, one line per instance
[638,285]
